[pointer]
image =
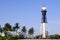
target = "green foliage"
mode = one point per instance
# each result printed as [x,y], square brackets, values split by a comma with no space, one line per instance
[10,38]
[16,27]
[23,29]
[31,31]
[7,38]
[2,38]
[38,36]
[55,36]
[7,27]
[17,37]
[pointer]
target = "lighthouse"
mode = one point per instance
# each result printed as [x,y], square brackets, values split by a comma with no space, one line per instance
[44,21]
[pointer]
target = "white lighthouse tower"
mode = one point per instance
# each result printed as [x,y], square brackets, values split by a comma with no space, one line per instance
[44,21]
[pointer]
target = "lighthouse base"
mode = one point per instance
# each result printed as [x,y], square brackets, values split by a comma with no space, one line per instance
[43,30]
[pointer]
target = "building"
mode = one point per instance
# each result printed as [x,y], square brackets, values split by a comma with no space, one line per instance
[44,21]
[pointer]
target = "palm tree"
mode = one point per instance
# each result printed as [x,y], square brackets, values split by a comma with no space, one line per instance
[24,30]
[16,27]
[31,32]
[7,27]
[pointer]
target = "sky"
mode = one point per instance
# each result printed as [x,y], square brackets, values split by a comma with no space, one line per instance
[28,13]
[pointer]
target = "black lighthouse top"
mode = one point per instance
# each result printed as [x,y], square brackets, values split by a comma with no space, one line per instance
[44,10]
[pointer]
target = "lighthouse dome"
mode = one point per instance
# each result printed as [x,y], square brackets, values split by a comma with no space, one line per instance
[44,8]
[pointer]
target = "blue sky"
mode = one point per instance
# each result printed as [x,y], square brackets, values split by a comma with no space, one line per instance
[28,13]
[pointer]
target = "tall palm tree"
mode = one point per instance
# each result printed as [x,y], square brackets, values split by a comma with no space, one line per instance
[31,32]
[24,30]
[15,28]
[7,27]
